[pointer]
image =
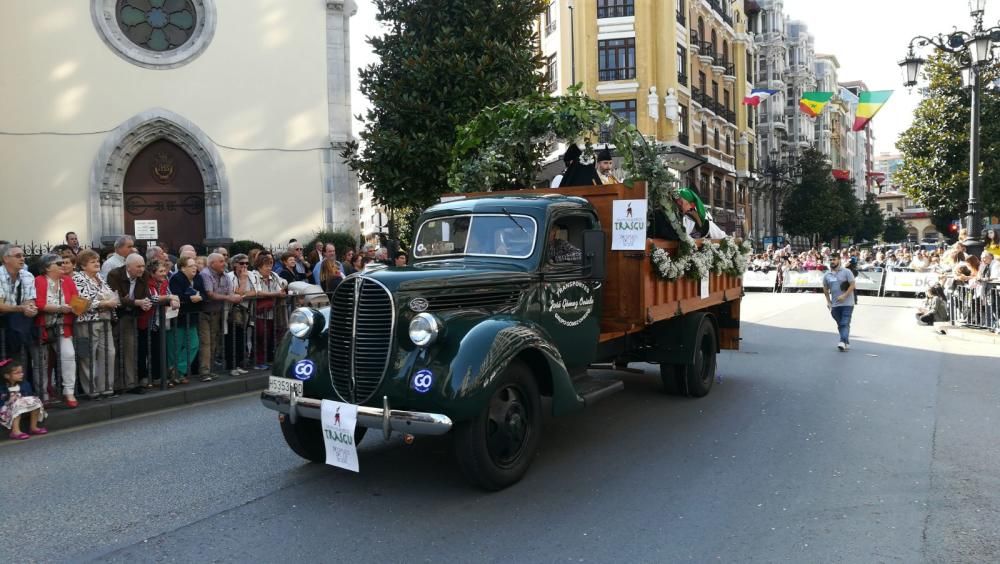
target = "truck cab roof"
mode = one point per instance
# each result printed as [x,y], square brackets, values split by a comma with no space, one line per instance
[536,205]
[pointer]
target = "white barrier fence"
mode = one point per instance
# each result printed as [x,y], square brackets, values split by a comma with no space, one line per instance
[763,280]
[878,282]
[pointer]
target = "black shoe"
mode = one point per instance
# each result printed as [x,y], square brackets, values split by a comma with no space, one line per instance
[139,390]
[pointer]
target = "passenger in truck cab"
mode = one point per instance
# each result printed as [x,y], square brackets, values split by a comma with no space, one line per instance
[560,250]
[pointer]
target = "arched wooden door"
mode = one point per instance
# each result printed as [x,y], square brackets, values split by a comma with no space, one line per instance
[164,183]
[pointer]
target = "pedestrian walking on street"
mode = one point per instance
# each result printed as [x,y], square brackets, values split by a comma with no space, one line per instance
[838,287]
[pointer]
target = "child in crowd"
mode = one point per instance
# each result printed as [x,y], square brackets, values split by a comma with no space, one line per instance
[17,399]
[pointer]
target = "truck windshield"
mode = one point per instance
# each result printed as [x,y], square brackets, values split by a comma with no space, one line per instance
[492,235]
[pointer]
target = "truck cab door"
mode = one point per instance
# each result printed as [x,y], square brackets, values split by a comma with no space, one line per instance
[571,298]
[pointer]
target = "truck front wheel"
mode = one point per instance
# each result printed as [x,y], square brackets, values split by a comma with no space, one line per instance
[495,448]
[305,438]
[693,379]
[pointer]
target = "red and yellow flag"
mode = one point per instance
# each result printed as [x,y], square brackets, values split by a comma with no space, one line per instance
[812,103]
[869,103]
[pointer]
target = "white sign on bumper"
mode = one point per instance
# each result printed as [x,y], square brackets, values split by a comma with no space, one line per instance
[339,421]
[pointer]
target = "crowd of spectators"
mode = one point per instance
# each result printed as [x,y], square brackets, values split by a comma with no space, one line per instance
[968,284]
[83,328]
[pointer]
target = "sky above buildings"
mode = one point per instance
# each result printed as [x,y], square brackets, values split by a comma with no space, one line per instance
[868,37]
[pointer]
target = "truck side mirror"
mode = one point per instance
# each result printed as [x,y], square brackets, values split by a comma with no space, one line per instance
[594,254]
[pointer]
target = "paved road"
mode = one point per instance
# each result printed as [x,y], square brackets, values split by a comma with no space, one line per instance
[888,453]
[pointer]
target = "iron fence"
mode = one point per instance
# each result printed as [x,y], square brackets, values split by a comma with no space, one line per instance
[976,305]
[142,351]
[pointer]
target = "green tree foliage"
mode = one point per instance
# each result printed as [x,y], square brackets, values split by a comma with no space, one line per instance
[894,230]
[340,239]
[813,208]
[870,220]
[935,149]
[847,209]
[440,63]
[243,247]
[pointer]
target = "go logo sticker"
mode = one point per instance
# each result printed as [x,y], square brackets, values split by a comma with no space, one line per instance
[303,369]
[422,381]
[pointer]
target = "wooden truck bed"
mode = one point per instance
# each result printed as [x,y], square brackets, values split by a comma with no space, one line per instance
[634,295]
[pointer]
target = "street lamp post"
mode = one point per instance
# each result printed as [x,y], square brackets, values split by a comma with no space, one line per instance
[977,45]
[571,4]
[775,178]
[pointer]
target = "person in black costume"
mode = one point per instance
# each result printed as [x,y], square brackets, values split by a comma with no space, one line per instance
[577,173]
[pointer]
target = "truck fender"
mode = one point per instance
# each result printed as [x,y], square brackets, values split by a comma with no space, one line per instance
[487,349]
[675,338]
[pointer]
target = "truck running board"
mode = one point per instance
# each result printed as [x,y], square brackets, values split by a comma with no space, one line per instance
[592,389]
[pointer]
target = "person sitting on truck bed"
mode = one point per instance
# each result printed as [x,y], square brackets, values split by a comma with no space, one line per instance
[697,222]
[560,250]
[577,173]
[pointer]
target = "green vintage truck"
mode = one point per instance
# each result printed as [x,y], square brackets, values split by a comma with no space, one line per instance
[510,297]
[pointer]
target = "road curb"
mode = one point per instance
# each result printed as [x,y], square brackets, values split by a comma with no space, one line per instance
[967,334]
[152,401]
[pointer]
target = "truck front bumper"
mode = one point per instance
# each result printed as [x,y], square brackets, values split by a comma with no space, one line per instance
[384,418]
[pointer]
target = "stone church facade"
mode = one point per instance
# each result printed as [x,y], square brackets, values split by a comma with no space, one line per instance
[219,119]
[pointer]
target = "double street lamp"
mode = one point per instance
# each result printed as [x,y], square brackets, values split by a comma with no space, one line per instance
[776,178]
[977,47]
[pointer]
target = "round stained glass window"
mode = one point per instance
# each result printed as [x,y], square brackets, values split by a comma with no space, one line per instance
[157,25]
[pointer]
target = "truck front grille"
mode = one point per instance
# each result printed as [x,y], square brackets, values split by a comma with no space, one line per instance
[362,321]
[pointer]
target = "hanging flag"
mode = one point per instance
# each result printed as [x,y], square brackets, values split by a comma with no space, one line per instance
[840,174]
[812,103]
[757,96]
[869,103]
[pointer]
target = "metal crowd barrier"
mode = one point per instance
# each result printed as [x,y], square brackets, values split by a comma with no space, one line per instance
[107,357]
[977,306]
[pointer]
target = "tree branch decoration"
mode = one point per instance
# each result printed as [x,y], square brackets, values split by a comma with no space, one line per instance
[503,146]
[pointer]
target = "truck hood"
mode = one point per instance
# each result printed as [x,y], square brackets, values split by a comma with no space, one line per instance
[451,274]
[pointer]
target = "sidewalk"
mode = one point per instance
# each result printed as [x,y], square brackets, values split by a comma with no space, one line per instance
[128,405]
[969,334]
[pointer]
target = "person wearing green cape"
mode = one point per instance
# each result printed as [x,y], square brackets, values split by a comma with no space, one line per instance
[697,221]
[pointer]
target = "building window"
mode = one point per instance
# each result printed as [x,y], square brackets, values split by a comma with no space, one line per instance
[625,109]
[682,126]
[725,53]
[682,65]
[715,45]
[729,196]
[701,81]
[616,59]
[552,73]
[701,29]
[715,91]
[729,145]
[704,133]
[681,13]
[155,34]
[751,157]
[888,207]
[615,8]
[550,17]
[725,99]
[157,26]
[716,192]
[716,139]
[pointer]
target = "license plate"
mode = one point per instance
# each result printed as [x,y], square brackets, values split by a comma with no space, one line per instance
[284,386]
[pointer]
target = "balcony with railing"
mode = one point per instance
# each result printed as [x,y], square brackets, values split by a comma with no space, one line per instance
[720,8]
[708,151]
[729,74]
[682,18]
[710,105]
[682,78]
[605,75]
[615,8]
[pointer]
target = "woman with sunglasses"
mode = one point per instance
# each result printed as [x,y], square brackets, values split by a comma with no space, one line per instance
[54,290]
[238,318]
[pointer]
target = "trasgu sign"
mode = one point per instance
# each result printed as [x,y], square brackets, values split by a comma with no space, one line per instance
[628,225]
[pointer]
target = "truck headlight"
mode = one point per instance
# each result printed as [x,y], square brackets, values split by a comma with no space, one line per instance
[300,323]
[424,329]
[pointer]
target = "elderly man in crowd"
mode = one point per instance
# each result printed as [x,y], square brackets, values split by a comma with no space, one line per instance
[219,291]
[300,269]
[131,283]
[123,248]
[17,299]
[225,256]
[154,252]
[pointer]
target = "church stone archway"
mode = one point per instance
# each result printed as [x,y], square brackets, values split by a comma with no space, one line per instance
[126,142]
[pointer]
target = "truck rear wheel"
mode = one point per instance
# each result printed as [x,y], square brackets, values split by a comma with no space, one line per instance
[695,379]
[305,438]
[495,448]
